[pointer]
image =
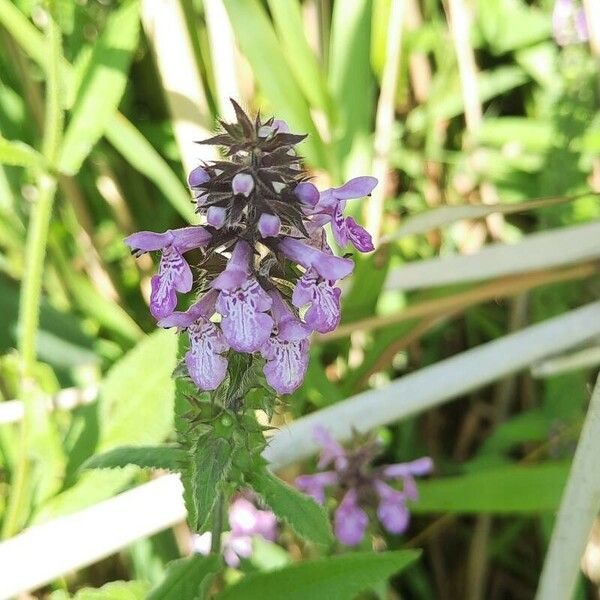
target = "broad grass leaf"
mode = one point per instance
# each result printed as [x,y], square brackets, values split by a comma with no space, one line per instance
[102,86]
[141,155]
[335,578]
[307,518]
[186,579]
[505,490]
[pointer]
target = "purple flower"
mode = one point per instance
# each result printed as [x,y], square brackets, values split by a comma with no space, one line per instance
[204,362]
[243,184]
[350,520]
[242,303]
[364,487]
[323,298]
[332,203]
[286,351]
[260,206]
[326,265]
[246,522]
[174,273]
[568,23]
[269,225]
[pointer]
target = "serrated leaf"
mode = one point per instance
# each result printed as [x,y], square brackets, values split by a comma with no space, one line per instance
[210,464]
[167,457]
[186,579]
[307,518]
[102,86]
[20,154]
[334,578]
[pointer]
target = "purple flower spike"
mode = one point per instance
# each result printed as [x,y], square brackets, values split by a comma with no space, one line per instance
[314,485]
[392,511]
[323,298]
[242,303]
[286,352]
[350,520]
[243,184]
[174,274]
[307,193]
[269,225]
[328,266]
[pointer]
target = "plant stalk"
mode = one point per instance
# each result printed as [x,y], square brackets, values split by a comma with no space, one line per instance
[217,525]
[578,509]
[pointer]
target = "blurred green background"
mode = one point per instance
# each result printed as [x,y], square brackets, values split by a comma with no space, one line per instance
[466,111]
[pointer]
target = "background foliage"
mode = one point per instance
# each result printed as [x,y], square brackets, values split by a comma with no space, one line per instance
[471,129]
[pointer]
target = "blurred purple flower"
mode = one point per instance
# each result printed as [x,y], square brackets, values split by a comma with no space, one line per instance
[363,486]
[568,23]
[246,522]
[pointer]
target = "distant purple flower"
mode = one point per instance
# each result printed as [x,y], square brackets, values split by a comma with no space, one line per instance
[363,486]
[174,273]
[332,203]
[286,351]
[568,23]
[263,236]
[246,522]
[243,303]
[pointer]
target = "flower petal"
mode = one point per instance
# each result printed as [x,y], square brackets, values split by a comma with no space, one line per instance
[358,236]
[269,225]
[421,466]
[323,314]
[355,188]
[286,364]
[215,216]
[350,520]
[314,485]
[328,266]
[242,183]
[197,177]
[205,365]
[188,238]
[146,241]
[394,516]
[331,450]
[307,193]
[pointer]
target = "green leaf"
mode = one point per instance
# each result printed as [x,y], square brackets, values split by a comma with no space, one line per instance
[261,47]
[336,578]
[24,32]
[210,464]
[148,457]
[135,408]
[102,86]
[290,28]
[352,81]
[186,579]
[307,518]
[513,489]
[140,154]
[20,154]
[116,590]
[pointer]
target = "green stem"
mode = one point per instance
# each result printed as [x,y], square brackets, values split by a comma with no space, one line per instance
[217,525]
[29,312]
